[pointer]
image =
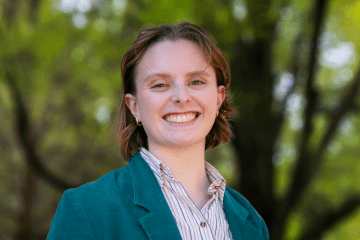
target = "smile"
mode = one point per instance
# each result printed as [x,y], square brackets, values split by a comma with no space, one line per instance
[181,118]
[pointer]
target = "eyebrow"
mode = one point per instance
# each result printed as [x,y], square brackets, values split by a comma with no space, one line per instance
[161,75]
[198,73]
[167,76]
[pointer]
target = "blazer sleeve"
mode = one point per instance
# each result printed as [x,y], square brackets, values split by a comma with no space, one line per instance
[70,221]
[264,230]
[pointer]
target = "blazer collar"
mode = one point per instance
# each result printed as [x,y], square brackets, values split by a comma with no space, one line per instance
[159,223]
[236,216]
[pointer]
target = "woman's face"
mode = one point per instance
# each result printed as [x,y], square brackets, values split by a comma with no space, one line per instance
[177,96]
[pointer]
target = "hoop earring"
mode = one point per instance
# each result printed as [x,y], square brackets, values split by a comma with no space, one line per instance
[137,122]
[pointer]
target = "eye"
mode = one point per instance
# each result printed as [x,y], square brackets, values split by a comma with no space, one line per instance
[160,85]
[197,82]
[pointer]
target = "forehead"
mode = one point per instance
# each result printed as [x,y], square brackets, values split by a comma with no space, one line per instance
[172,57]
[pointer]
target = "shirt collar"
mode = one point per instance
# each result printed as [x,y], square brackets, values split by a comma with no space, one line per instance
[162,172]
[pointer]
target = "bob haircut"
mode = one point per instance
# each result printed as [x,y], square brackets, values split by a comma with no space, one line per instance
[132,137]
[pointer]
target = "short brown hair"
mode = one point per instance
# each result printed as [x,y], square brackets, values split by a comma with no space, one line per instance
[132,137]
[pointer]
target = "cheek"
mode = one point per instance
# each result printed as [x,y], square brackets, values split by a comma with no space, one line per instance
[151,104]
[209,99]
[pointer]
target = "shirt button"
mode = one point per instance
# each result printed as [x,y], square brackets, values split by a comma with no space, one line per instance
[203,224]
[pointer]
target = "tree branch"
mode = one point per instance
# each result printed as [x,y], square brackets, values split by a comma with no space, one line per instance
[34,6]
[28,192]
[354,107]
[302,173]
[346,104]
[9,10]
[326,221]
[27,140]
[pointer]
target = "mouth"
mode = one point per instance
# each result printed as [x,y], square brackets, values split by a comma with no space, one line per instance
[181,118]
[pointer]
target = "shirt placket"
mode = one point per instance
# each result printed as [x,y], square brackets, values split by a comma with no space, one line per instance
[202,222]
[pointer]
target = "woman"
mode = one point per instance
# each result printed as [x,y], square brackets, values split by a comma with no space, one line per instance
[174,106]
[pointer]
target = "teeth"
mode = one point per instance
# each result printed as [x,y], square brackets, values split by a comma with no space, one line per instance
[183,118]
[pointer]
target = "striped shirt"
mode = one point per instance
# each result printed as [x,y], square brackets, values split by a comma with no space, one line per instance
[210,222]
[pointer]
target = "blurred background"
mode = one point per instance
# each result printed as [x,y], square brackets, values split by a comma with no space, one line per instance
[295,82]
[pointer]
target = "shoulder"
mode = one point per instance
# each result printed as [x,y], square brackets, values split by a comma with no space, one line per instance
[253,217]
[240,199]
[96,210]
[106,187]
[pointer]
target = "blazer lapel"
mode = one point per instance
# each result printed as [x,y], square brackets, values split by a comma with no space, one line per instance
[159,223]
[236,216]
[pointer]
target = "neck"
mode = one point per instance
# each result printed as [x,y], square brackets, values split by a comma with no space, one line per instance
[186,164]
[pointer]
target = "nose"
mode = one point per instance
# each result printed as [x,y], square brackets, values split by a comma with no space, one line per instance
[180,94]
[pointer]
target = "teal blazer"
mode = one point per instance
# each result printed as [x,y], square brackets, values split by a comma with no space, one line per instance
[128,204]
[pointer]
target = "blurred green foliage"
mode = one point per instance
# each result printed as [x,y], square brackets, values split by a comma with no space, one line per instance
[65,56]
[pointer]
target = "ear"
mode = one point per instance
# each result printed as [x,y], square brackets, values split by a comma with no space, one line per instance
[131,103]
[221,94]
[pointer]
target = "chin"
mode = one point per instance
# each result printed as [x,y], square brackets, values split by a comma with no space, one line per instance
[183,142]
